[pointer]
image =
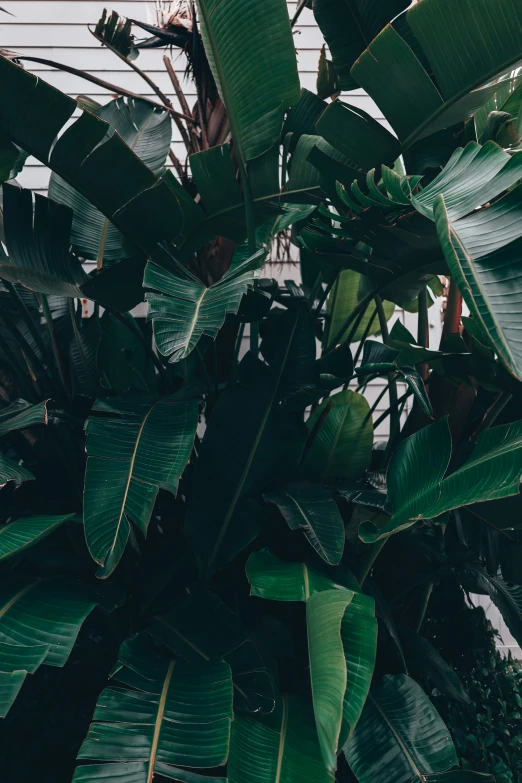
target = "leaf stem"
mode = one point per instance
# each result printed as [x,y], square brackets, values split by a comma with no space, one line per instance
[392,380]
[368,559]
[357,312]
[52,335]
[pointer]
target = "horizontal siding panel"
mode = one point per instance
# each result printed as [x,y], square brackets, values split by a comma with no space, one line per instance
[14,34]
[98,58]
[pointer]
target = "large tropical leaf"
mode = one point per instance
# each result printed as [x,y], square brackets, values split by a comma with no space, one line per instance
[202,627]
[236,43]
[342,640]
[342,643]
[140,447]
[342,444]
[417,488]
[276,580]
[349,26]
[37,241]
[183,309]
[160,714]
[422,87]
[99,165]
[400,736]
[147,131]
[341,301]
[311,508]
[281,748]
[39,622]
[21,534]
[250,444]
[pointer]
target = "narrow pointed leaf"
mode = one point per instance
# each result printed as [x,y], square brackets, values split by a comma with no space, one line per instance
[38,244]
[16,661]
[21,534]
[140,448]
[250,444]
[311,508]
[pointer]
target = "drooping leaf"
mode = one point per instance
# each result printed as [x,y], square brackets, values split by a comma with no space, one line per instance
[39,622]
[400,735]
[147,131]
[17,536]
[160,713]
[341,301]
[38,244]
[250,444]
[349,26]
[278,749]
[16,662]
[276,580]
[416,487]
[182,308]
[202,627]
[341,448]
[21,414]
[101,167]
[424,660]
[311,508]
[420,86]
[235,41]
[140,447]
[342,641]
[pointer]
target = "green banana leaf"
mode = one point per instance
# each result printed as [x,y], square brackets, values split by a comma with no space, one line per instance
[141,447]
[99,165]
[38,255]
[400,736]
[349,26]
[342,446]
[182,308]
[17,536]
[16,662]
[417,488]
[161,713]
[342,644]
[420,86]
[202,627]
[311,508]
[281,748]
[236,43]
[21,414]
[250,444]
[39,622]
[17,416]
[341,301]
[147,131]
[275,580]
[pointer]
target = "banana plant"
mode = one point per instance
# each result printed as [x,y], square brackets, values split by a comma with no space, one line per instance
[213,565]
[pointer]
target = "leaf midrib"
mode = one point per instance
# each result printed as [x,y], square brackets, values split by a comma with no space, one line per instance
[129,479]
[397,736]
[158,721]
[253,450]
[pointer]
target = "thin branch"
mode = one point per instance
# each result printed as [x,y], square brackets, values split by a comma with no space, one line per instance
[182,102]
[102,83]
